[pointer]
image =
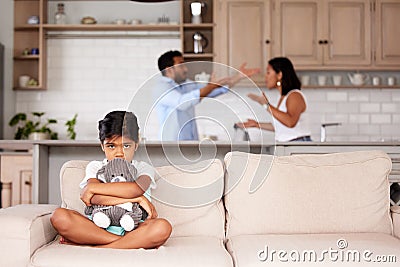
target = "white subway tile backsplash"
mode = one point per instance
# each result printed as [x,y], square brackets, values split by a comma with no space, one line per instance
[347,107]
[381,95]
[370,129]
[358,95]
[396,118]
[359,119]
[391,107]
[380,118]
[369,108]
[336,96]
[396,95]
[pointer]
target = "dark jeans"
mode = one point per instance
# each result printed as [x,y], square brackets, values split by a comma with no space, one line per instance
[303,138]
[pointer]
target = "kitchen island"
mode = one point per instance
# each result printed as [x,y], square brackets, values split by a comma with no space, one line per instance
[50,155]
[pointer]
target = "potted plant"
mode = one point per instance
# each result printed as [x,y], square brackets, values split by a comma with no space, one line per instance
[71,127]
[33,129]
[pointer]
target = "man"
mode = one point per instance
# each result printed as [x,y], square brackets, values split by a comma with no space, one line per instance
[176,96]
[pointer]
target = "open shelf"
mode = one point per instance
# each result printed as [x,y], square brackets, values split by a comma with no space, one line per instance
[111,27]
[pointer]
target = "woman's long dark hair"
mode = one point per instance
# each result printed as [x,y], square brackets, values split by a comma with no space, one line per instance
[290,81]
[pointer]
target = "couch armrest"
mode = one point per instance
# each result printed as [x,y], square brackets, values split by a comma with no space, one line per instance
[24,228]
[395,211]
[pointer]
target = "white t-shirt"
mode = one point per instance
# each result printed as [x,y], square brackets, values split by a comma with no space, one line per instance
[143,168]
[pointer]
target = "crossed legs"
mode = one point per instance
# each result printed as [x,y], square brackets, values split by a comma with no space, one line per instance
[78,229]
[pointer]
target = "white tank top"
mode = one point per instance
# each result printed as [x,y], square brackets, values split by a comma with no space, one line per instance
[284,133]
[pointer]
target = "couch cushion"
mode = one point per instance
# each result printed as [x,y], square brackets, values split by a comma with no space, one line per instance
[71,174]
[190,197]
[362,249]
[187,196]
[331,193]
[179,251]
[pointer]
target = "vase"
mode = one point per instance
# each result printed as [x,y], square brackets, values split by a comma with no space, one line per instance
[39,136]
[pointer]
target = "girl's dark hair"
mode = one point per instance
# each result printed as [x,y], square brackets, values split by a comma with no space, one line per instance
[290,80]
[119,123]
[166,60]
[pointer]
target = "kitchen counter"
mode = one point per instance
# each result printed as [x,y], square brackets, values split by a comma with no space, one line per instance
[50,155]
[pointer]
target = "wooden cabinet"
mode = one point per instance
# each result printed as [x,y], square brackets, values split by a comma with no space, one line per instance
[204,29]
[243,34]
[387,32]
[314,33]
[16,179]
[28,37]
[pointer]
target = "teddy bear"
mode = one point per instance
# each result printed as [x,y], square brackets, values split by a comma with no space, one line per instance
[127,215]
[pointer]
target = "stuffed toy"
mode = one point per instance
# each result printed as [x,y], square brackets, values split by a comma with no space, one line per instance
[127,215]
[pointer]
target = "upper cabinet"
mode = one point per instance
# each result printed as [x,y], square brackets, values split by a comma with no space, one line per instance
[314,34]
[243,34]
[29,52]
[329,33]
[387,32]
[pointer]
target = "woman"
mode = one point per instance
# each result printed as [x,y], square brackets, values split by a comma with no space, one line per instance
[288,113]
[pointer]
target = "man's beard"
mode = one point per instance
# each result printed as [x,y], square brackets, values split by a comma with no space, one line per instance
[180,79]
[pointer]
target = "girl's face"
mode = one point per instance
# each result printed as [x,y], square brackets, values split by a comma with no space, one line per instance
[119,147]
[271,77]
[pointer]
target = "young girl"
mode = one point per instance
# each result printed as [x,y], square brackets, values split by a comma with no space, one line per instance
[119,137]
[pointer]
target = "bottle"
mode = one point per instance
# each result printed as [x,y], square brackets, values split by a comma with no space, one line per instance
[60,17]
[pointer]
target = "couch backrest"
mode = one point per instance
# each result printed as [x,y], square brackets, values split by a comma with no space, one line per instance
[331,193]
[189,197]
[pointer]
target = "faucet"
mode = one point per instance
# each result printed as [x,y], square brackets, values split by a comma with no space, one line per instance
[323,130]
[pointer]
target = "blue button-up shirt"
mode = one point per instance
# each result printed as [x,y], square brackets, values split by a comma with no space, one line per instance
[175,105]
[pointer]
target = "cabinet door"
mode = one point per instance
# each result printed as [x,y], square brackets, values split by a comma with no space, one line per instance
[16,175]
[387,22]
[348,31]
[297,31]
[242,34]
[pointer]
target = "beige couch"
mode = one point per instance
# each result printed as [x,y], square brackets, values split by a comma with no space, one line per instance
[253,210]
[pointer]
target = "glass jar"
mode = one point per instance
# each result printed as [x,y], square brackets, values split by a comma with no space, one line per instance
[60,17]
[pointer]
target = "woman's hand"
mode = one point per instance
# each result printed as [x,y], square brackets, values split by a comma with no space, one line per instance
[248,124]
[248,72]
[147,206]
[261,99]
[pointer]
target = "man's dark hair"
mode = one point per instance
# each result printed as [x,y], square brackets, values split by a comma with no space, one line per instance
[290,81]
[119,123]
[166,60]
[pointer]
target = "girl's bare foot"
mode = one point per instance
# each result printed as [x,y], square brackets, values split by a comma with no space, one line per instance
[65,241]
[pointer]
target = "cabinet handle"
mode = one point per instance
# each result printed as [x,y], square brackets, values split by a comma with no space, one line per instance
[326,42]
[267,41]
[320,42]
[28,183]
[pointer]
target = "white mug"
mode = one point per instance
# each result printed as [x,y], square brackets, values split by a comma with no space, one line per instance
[305,80]
[337,80]
[23,80]
[390,81]
[375,81]
[321,80]
[202,77]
